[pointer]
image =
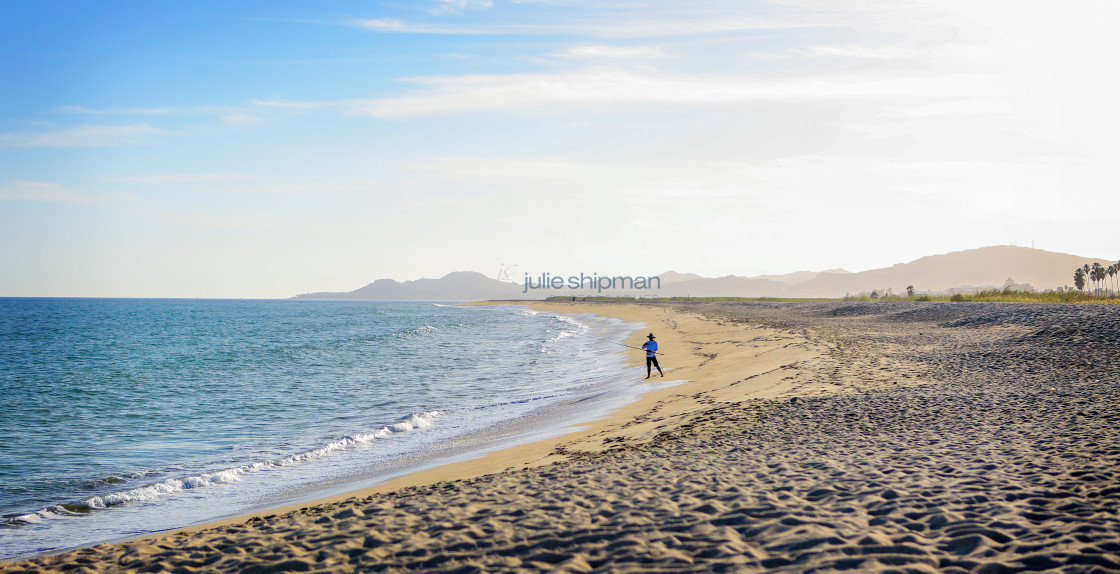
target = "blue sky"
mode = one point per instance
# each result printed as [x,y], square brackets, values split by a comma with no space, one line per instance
[263,149]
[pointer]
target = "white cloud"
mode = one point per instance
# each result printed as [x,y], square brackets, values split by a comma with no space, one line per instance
[41,191]
[613,24]
[286,104]
[505,169]
[229,115]
[79,109]
[235,183]
[208,220]
[460,5]
[394,25]
[603,52]
[84,136]
[380,25]
[615,86]
[978,106]
[856,51]
[187,178]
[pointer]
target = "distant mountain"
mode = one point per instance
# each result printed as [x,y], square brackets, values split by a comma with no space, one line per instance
[797,276]
[986,267]
[674,277]
[456,286]
[728,286]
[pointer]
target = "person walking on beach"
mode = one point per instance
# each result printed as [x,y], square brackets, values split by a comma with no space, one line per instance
[650,348]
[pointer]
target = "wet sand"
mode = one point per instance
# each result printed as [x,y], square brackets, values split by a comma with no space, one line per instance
[922,437]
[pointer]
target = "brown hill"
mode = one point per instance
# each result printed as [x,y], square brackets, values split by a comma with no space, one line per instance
[797,276]
[974,268]
[456,286]
[674,277]
[729,286]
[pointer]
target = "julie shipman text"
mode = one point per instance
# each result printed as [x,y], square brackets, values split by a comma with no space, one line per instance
[593,281]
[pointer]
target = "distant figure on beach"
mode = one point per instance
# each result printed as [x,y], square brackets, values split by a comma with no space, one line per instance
[650,348]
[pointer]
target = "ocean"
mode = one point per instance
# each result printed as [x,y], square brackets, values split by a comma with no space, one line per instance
[124,417]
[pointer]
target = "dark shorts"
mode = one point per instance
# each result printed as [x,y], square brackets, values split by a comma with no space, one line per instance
[652,361]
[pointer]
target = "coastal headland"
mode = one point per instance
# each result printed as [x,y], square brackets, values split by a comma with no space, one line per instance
[922,437]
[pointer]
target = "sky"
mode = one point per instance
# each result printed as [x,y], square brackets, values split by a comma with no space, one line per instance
[264,149]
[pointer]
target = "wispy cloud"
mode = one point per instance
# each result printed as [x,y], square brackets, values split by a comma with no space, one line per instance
[240,183]
[379,24]
[41,191]
[492,169]
[84,136]
[607,52]
[632,24]
[857,51]
[394,25]
[290,105]
[444,6]
[83,110]
[114,135]
[187,178]
[615,86]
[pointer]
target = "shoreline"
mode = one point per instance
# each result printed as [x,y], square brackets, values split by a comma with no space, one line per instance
[812,437]
[589,437]
[630,423]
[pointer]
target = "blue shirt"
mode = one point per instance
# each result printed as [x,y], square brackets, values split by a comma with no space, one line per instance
[651,348]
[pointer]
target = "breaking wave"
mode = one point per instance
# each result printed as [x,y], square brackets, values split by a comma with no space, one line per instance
[172,486]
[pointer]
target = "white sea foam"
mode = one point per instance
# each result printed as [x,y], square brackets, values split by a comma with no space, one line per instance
[555,335]
[169,486]
[231,475]
[416,421]
[31,518]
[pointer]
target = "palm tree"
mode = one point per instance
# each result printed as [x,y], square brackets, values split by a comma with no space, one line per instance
[1112,275]
[1079,279]
[1098,275]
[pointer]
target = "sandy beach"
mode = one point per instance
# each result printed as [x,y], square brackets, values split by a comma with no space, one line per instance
[920,437]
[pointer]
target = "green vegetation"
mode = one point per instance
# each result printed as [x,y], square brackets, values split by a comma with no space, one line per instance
[1036,297]
[998,296]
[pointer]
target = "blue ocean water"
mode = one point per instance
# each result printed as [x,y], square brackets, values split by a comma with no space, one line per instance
[125,417]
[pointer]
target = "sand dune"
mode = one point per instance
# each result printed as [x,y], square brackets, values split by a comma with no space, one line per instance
[813,438]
